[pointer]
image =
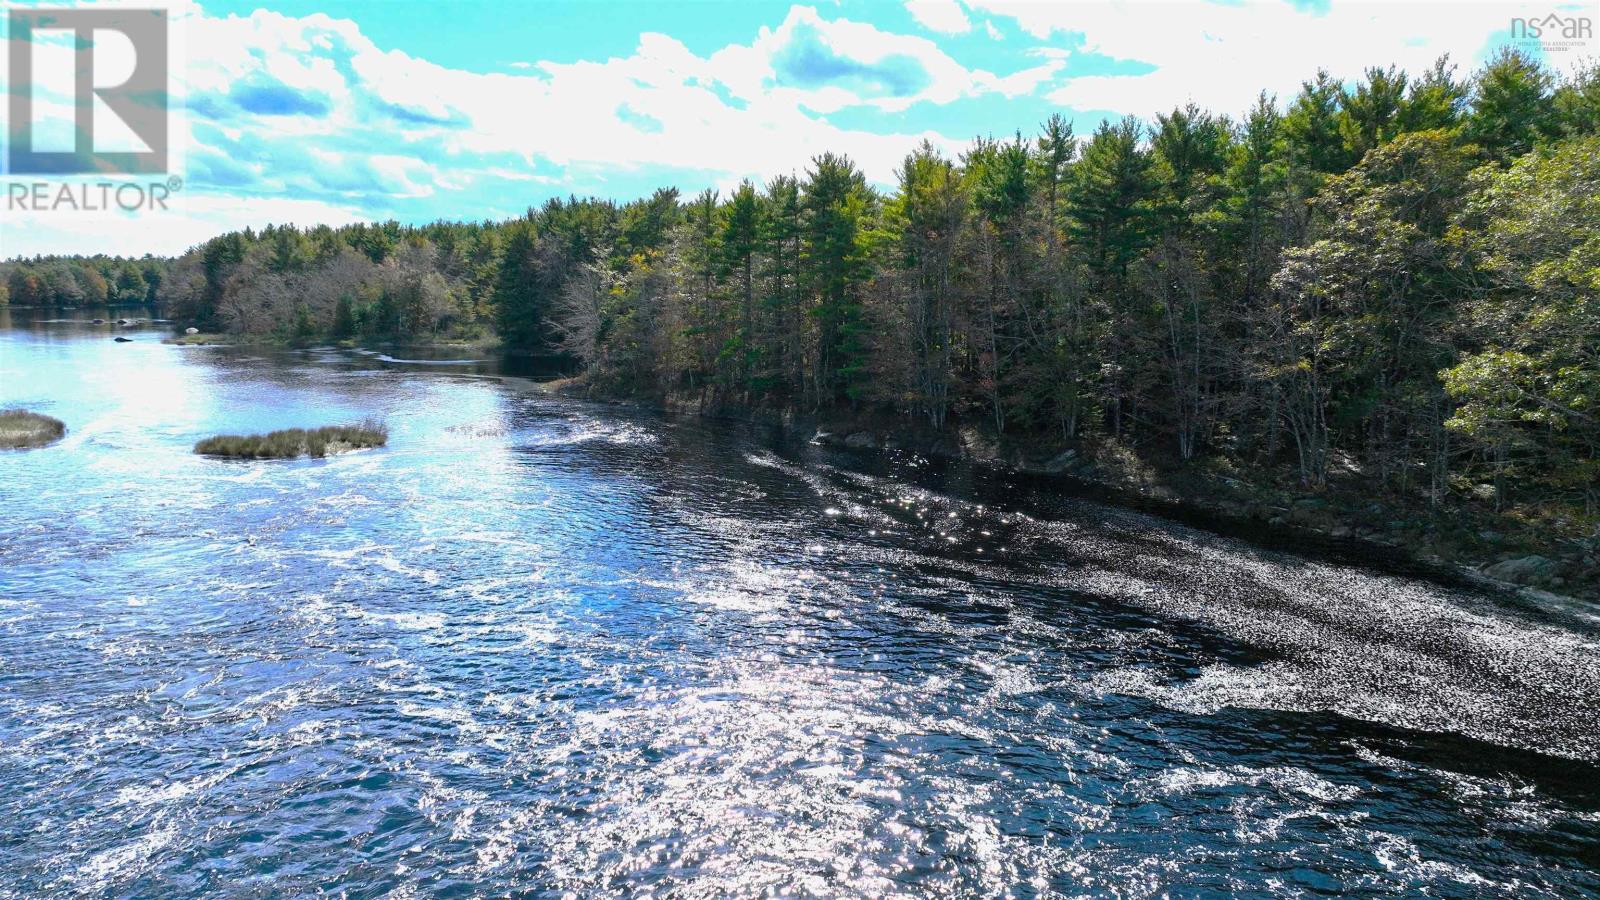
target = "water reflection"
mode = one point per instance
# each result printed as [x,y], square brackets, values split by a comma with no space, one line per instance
[539,646]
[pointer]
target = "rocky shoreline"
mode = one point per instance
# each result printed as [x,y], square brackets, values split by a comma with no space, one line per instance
[1476,546]
[1439,544]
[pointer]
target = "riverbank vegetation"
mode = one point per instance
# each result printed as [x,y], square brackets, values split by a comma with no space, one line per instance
[295,442]
[21,429]
[1388,286]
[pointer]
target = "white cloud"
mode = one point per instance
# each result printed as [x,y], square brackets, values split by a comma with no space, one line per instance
[310,108]
[943,16]
[190,221]
[828,65]
[1220,55]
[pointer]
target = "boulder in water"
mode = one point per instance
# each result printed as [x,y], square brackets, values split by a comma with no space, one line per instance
[97,321]
[861,440]
[191,331]
[122,340]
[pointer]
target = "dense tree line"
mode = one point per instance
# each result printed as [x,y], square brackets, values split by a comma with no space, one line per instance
[56,281]
[381,280]
[1397,277]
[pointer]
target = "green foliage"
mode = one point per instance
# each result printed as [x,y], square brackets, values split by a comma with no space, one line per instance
[1511,105]
[1312,132]
[1577,102]
[1370,114]
[1110,198]
[521,289]
[836,201]
[1528,389]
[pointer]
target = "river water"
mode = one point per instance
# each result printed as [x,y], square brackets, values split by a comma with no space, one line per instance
[545,647]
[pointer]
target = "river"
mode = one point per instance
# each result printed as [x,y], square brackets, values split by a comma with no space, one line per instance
[548,647]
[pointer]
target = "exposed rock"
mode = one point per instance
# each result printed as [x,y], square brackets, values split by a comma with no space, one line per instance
[1059,463]
[1522,570]
[122,340]
[861,440]
[1341,532]
[1306,513]
[191,331]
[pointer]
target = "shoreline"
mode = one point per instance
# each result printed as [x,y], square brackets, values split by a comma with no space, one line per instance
[1453,544]
[224,339]
[1341,525]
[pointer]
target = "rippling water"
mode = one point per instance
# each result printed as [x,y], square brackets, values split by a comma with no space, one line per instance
[546,647]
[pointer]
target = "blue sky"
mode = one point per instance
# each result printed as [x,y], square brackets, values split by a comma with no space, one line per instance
[343,110]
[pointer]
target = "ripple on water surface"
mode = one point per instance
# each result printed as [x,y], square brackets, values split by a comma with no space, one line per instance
[540,646]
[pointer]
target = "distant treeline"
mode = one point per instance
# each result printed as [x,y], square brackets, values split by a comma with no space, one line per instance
[81,281]
[1398,278]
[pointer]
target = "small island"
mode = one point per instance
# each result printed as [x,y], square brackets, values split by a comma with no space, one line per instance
[21,429]
[291,443]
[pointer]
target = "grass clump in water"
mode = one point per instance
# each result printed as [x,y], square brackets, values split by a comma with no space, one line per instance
[20,429]
[293,442]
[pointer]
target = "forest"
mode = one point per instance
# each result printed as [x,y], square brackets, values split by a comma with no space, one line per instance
[1395,277]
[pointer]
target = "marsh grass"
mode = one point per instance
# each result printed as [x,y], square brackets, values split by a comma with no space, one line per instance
[21,429]
[294,442]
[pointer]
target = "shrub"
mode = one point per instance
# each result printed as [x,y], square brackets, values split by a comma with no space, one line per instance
[20,429]
[293,442]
